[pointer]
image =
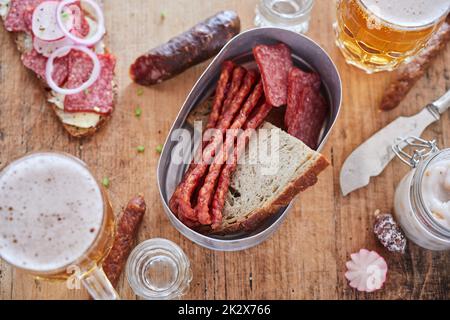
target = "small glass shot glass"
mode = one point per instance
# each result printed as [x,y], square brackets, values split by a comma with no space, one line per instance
[293,15]
[158,269]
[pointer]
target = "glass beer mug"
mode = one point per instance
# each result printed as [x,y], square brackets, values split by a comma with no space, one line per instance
[55,221]
[378,35]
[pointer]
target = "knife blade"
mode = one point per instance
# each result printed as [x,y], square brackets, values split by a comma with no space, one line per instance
[372,157]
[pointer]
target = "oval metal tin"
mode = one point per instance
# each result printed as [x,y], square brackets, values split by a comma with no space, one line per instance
[307,55]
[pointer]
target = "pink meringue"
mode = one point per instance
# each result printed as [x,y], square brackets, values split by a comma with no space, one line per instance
[366,271]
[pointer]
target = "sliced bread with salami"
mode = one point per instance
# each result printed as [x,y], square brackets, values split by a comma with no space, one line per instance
[81,95]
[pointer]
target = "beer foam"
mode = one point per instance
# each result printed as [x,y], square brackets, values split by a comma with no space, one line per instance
[408,13]
[51,211]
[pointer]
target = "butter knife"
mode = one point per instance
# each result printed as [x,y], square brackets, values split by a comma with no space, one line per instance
[370,158]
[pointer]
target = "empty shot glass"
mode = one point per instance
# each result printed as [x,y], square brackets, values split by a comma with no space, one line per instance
[158,269]
[293,15]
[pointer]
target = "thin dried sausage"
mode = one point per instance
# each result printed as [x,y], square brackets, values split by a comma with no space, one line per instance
[193,179]
[206,192]
[216,110]
[218,202]
[410,73]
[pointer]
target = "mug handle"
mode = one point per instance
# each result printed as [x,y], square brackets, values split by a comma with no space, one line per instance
[98,285]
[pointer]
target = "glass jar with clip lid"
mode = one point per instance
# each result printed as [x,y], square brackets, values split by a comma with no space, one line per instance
[422,199]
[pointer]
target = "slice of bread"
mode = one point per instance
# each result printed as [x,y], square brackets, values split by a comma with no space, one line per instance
[259,190]
[265,183]
[24,44]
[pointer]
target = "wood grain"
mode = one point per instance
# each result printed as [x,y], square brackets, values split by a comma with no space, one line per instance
[306,258]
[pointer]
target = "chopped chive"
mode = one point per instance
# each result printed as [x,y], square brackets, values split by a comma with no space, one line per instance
[105,182]
[163,15]
[138,112]
[140,92]
[65,15]
[159,148]
[140,149]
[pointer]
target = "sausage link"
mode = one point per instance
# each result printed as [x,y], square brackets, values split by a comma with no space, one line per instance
[223,185]
[206,192]
[236,82]
[198,44]
[237,74]
[410,73]
[193,179]
[216,110]
[126,231]
[258,118]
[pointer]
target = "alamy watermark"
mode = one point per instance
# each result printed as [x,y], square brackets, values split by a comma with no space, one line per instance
[251,147]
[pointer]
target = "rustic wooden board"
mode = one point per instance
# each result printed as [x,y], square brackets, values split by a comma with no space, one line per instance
[306,258]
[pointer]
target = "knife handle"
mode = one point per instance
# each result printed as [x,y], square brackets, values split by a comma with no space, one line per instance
[443,103]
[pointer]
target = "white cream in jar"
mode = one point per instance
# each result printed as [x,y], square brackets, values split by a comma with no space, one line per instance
[422,202]
[436,191]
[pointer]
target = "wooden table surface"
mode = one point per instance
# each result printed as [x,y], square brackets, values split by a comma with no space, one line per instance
[306,258]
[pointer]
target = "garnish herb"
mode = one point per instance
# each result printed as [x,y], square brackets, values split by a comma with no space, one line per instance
[105,182]
[159,148]
[140,92]
[163,15]
[140,149]
[138,112]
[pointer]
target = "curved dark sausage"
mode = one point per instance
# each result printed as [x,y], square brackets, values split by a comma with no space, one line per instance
[198,44]
[126,231]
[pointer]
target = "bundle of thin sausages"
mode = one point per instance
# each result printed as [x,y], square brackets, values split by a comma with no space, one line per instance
[410,73]
[239,103]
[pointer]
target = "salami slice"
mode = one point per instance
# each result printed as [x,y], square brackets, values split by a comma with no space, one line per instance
[37,62]
[15,20]
[298,80]
[274,62]
[99,97]
[28,19]
[307,109]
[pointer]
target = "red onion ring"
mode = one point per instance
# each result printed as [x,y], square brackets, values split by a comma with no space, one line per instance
[100,22]
[61,51]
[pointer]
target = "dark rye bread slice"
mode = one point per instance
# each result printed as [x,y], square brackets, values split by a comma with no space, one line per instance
[261,187]
[24,45]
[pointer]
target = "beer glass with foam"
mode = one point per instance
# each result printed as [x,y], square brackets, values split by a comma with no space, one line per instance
[378,35]
[55,221]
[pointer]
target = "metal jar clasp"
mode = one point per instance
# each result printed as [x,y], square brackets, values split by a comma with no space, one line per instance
[422,149]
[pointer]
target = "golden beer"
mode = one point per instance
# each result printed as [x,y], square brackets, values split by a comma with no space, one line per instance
[378,35]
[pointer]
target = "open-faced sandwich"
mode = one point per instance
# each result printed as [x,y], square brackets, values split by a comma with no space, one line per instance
[62,43]
[224,191]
